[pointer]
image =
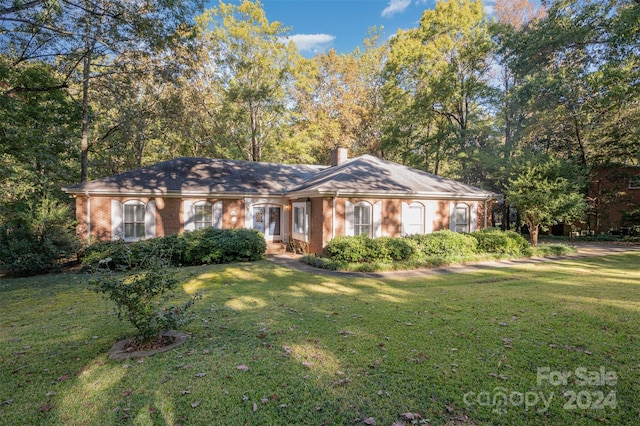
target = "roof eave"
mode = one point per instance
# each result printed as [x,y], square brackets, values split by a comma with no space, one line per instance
[394,194]
[170,194]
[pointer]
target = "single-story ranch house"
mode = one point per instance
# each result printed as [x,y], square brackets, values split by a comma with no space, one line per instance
[302,205]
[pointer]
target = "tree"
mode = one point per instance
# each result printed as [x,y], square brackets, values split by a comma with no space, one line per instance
[338,100]
[251,70]
[543,196]
[82,40]
[580,78]
[437,88]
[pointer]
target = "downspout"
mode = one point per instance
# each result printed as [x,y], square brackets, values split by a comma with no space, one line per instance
[88,217]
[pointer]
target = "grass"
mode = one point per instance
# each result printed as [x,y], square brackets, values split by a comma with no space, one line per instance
[331,350]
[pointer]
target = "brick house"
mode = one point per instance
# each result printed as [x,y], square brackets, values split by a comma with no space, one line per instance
[614,192]
[301,205]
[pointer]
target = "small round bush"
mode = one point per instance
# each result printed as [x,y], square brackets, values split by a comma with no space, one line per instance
[348,249]
[493,240]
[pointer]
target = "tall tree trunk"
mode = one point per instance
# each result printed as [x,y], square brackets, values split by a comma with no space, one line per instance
[533,233]
[84,144]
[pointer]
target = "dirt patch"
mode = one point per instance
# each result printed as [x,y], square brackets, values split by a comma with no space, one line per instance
[127,348]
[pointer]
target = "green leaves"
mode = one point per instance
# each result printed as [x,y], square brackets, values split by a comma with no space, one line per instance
[543,196]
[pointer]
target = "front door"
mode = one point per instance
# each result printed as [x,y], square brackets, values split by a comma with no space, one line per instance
[267,219]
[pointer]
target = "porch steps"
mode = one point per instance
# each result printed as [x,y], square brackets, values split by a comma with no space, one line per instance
[276,248]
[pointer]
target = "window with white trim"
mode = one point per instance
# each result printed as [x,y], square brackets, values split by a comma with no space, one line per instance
[634,182]
[300,229]
[413,218]
[362,218]
[134,220]
[461,216]
[207,215]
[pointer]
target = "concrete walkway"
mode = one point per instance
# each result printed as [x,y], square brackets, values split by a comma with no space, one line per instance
[585,249]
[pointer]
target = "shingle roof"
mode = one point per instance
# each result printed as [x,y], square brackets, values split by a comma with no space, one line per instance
[369,175]
[365,175]
[188,175]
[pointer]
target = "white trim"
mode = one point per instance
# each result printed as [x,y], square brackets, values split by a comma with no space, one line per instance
[150,220]
[406,217]
[187,215]
[452,216]
[218,211]
[88,218]
[473,217]
[376,219]
[348,218]
[305,235]
[117,219]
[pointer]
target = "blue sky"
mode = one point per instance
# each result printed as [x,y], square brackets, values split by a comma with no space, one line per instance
[319,25]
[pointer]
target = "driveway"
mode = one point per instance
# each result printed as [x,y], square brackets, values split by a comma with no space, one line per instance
[585,249]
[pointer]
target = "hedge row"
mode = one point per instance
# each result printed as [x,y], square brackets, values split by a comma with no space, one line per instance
[441,244]
[204,246]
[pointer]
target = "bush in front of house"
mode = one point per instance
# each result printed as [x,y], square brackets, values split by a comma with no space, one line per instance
[493,240]
[210,245]
[445,244]
[361,249]
[204,246]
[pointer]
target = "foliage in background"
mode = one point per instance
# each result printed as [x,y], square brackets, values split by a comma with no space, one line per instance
[37,238]
[141,297]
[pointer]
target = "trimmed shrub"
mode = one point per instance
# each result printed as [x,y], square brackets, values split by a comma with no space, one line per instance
[493,240]
[362,249]
[348,249]
[204,246]
[445,244]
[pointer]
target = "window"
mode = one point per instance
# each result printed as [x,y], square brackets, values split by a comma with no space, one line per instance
[461,217]
[413,218]
[362,219]
[634,182]
[301,221]
[202,214]
[134,215]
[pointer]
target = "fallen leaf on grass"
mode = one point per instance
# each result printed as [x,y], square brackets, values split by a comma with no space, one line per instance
[7,402]
[45,408]
[195,404]
[127,392]
[255,407]
[307,364]
[63,378]
[411,416]
[200,374]
[369,421]
[242,367]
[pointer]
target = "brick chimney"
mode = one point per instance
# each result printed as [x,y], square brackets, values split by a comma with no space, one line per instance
[339,155]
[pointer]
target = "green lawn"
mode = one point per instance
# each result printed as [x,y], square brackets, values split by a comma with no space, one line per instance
[318,350]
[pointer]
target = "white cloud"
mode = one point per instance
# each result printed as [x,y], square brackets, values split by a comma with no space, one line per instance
[489,7]
[312,43]
[395,6]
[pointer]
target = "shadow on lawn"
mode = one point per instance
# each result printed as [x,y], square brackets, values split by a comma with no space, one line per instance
[319,347]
